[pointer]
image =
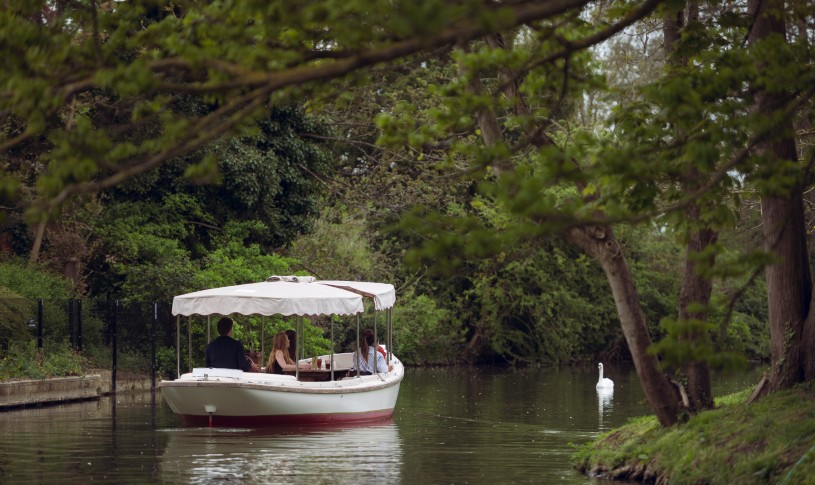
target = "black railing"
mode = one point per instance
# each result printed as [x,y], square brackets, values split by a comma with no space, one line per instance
[112,334]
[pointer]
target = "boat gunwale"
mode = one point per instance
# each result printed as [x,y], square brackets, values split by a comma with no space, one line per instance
[365,384]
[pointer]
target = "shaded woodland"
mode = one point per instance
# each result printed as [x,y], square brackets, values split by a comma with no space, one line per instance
[543,182]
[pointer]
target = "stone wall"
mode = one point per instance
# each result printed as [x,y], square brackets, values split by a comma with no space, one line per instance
[22,393]
[61,389]
[125,381]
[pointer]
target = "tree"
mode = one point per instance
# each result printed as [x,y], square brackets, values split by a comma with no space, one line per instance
[789,280]
[696,286]
[674,174]
[597,240]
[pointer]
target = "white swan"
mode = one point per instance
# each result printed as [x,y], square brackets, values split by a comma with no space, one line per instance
[603,382]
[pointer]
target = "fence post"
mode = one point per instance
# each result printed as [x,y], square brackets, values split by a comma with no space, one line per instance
[71,322]
[113,345]
[79,325]
[153,348]
[39,323]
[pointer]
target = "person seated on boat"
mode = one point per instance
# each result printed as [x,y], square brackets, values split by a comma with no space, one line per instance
[280,360]
[292,344]
[381,350]
[366,359]
[227,353]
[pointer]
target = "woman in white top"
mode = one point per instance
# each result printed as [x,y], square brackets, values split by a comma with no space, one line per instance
[367,360]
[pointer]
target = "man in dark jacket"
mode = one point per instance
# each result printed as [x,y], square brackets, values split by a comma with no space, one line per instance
[226,352]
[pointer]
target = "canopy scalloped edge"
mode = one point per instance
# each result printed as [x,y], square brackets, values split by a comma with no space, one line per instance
[270,298]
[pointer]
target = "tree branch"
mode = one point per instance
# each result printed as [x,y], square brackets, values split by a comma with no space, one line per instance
[201,136]
[573,46]
[463,31]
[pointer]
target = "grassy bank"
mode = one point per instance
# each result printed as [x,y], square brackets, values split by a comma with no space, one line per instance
[769,441]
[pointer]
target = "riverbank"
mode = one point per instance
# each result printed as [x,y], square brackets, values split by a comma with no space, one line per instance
[96,383]
[769,441]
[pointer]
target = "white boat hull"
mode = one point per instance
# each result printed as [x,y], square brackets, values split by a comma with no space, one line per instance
[226,397]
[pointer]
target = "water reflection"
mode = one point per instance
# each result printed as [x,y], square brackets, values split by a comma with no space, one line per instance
[605,402]
[104,441]
[359,454]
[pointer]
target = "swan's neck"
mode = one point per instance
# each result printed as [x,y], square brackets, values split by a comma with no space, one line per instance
[601,374]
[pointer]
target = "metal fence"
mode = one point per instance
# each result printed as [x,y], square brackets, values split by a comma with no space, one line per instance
[105,330]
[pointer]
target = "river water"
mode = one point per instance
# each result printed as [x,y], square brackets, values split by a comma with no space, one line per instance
[451,426]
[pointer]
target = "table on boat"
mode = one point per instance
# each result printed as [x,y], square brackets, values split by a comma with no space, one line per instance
[317,375]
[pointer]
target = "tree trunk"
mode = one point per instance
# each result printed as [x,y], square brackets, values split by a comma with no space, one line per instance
[808,344]
[600,243]
[39,235]
[789,288]
[789,284]
[491,131]
[695,288]
[803,124]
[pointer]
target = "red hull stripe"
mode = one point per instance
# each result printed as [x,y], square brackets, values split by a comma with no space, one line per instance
[287,419]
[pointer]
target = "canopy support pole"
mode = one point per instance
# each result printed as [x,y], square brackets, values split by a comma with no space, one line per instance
[209,325]
[298,339]
[178,346]
[189,344]
[376,345]
[390,334]
[359,355]
[331,355]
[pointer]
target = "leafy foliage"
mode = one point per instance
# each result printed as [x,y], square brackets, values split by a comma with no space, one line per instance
[340,247]
[13,321]
[544,308]
[425,333]
[185,121]
[24,361]
[32,282]
[21,286]
[147,259]
[160,235]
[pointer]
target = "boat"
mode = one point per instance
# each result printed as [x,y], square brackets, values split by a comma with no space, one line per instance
[319,396]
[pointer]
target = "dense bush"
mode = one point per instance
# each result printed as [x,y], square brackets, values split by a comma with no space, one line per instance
[24,361]
[14,315]
[425,333]
[550,307]
[165,362]
[31,281]
[20,288]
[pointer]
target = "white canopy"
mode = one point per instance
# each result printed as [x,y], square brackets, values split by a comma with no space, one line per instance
[270,298]
[383,294]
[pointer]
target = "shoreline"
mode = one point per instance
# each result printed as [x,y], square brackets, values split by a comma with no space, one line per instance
[768,441]
[15,394]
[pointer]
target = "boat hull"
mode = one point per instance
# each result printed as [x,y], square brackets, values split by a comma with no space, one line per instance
[285,420]
[215,397]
